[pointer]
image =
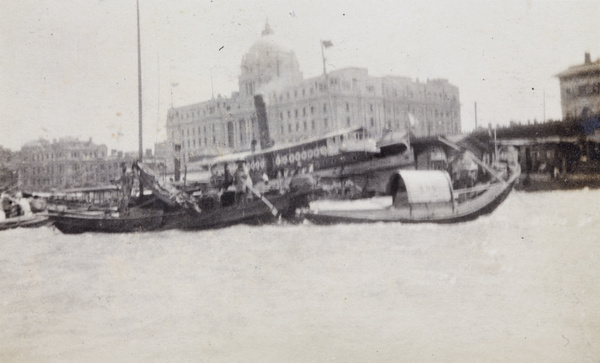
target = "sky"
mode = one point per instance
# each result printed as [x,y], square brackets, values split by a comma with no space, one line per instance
[69,67]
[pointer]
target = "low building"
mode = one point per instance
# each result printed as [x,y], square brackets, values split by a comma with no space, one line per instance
[580,90]
[66,163]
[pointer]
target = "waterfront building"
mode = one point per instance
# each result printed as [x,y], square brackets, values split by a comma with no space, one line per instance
[580,89]
[299,108]
[67,163]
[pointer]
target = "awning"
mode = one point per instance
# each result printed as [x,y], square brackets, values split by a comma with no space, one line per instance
[427,186]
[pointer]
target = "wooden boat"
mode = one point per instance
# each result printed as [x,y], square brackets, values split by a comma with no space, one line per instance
[225,211]
[31,221]
[216,208]
[420,196]
[137,220]
[140,217]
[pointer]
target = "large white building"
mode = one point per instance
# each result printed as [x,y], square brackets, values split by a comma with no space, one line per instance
[299,108]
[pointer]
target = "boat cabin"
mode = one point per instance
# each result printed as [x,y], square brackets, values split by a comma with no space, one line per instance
[421,190]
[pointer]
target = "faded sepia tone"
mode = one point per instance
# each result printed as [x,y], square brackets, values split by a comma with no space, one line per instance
[517,282]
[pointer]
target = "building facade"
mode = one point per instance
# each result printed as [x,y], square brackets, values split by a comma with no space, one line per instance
[299,108]
[67,163]
[580,90]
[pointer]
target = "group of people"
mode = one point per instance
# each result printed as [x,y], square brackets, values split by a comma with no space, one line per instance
[14,206]
[240,180]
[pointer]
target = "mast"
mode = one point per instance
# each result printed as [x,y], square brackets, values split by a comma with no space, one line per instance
[141,150]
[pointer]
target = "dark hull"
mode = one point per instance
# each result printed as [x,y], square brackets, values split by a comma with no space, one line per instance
[467,211]
[252,211]
[36,220]
[73,223]
[249,212]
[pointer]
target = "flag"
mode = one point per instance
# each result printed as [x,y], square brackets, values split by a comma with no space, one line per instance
[327,43]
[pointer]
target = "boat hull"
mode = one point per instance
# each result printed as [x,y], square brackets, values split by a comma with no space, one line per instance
[462,212]
[36,220]
[75,223]
[254,211]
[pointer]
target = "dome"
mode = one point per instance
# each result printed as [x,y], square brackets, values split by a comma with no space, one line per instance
[267,61]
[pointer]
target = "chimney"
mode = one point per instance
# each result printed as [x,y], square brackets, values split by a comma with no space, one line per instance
[588,60]
[263,123]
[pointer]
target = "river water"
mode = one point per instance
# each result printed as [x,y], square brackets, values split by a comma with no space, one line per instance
[522,284]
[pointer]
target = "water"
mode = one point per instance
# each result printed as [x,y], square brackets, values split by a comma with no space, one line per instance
[522,284]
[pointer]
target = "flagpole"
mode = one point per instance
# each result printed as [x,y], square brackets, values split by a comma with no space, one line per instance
[323,57]
[330,113]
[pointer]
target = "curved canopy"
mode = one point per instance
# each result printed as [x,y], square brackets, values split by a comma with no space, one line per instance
[427,186]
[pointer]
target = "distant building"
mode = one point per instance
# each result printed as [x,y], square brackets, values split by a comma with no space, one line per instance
[66,163]
[299,108]
[580,89]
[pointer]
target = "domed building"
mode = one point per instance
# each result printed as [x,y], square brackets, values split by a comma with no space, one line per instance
[266,61]
[299,108]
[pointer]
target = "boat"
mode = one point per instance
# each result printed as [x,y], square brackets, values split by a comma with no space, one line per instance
[223,211]
[22,211]
[137,220]
[30,221]
[129,217]
[423,196]
[213,206]
[427,197]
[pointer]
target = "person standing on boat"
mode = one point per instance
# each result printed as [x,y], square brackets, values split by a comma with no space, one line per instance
[5,205]
[126,183]
[227,178]
[242,180]
[24,206]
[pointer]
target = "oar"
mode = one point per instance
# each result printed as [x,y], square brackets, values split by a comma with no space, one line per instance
[476,160]
[274,210]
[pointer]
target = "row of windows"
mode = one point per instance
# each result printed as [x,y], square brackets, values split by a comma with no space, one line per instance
[371,108]
[290,128]
[583,90]
[203,112]
[62,168]
[61,181]
[62,155]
